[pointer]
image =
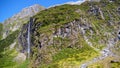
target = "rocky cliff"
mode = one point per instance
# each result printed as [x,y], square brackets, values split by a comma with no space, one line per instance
[75,36]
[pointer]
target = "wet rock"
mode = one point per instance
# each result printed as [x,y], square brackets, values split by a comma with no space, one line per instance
[23,35]
[119,35]
[22,39]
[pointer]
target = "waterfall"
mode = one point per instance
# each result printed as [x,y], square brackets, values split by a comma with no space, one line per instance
[28,38]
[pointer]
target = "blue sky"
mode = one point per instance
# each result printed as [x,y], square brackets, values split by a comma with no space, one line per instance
[10,7]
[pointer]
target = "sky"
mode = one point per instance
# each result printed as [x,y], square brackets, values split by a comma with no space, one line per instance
[8,8]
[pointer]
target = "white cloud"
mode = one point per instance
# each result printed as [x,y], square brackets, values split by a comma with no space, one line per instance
[75,2]
[71,3]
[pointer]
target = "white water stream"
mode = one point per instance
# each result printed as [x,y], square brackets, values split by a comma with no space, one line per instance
[28,39]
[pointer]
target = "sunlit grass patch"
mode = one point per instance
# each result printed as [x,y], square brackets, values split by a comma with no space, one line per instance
[71,57]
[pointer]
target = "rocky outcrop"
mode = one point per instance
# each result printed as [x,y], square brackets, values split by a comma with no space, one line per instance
[69,31]
[12,45]
[20,58]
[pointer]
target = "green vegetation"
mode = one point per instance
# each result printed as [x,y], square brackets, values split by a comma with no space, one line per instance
[55,18]
[6,58]
[115,65]
[116,48]
[1,28]
[65,52]
[22,65]
[6,55]
[8,40]
[96,66]
[106,63]
[70,57]
[59,14]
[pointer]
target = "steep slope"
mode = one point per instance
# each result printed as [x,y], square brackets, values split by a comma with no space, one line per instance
[66,36]
[71,36]
[10,56]
[7,55]
[16,21]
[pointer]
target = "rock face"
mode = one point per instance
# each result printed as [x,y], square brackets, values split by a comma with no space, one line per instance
[23,36]
[12,46]
[16,21]
[92,28]
[20,58]
[69,31]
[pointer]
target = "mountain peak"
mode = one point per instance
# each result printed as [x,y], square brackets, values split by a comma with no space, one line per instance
[29,11]
[20,18]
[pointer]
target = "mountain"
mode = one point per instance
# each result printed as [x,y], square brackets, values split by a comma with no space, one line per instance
[9,32]
[16,21]
[66,36]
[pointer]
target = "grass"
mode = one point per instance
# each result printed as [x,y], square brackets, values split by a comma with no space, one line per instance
[6,55]
[59,14]
[71,57]
[63,57]
[24,64]
[7,60]
[106,63]
[1,28]
[8,40]
[115,65]
[116,48]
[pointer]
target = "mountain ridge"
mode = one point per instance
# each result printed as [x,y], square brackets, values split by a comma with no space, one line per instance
[20,18]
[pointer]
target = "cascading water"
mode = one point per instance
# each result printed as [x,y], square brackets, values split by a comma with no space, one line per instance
[28,38]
